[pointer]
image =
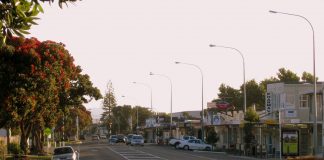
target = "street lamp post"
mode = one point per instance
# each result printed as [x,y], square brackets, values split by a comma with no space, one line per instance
[314,76]
[243,60]
[202,97]
[170,98]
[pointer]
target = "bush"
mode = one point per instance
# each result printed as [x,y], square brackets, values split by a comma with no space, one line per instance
[14,148]
[2,149]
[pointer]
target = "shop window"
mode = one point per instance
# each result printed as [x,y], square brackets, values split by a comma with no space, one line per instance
[304,101]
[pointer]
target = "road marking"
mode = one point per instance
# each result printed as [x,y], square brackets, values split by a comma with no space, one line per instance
[201,157]
[132,154]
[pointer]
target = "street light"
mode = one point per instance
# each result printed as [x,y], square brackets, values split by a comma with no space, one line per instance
[314,76]
[244,85]
[202,97]
[152,74]
[148,86]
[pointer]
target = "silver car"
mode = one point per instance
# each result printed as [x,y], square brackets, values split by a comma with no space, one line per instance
[137,140]
[66,152]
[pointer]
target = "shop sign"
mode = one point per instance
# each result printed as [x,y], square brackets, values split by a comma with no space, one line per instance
[268,106]
[290,143]
[295,121]
[216,119]
[270,122]
[290,113]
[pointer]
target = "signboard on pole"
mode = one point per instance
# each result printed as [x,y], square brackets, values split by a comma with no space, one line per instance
[268,106]
[290,143]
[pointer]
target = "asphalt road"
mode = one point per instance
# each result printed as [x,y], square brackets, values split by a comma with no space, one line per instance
[102,150]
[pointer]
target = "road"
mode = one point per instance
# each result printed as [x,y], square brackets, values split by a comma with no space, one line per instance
[102,150]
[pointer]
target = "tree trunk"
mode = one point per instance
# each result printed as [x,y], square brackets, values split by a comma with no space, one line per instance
[37,147]
[23,138]
[8,137]
[25,132]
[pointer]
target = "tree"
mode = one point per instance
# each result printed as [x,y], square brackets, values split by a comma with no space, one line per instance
[251,118]
[121,117]
[212,136]
[108,104]
[287,76]
[38,71]
[36,80]
[17,16]
[230,95]
[263,84]
[254,95]
[84,118]
[308,77]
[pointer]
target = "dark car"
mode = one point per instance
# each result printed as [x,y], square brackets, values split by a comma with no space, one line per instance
[112,139]
[129,138]
[120,138]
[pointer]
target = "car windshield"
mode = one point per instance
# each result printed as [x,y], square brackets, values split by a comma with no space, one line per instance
[129,136]
[113,136]
[137,137]
[63,150]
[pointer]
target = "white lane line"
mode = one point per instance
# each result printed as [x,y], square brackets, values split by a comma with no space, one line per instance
[117,153]
[199,156]
[133,154]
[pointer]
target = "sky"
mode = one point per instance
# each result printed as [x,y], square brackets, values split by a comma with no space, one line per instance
[123,41]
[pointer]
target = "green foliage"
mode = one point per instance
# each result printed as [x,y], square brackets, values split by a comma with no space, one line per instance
[109,103]
[251,115]
[308,77]
[121,119]
[212,136]
[231,95]
[37,79]
[254,95]
[287,76]
[14,148]
[17,16]
[2,148]
[263,84]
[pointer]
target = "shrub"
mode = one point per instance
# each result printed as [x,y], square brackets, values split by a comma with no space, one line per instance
[14,148]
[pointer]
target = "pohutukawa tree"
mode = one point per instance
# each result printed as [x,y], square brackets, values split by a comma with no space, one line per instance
[36,79]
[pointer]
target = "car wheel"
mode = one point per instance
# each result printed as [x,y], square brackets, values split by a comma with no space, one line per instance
[208,149]
[176,146]
[186,147]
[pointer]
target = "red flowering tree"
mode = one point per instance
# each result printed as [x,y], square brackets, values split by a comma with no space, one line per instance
[36,79]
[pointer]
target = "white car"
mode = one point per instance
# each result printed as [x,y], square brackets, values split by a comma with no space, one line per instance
[137,140]
[176,142]
[66,152]
[195,144]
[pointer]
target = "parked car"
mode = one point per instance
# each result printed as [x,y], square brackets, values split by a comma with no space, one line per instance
[176,142]
[103,136]
[95,137]
[113,139]
[195,144]
[66,152]
[129,138]
[120,138]
[137,140]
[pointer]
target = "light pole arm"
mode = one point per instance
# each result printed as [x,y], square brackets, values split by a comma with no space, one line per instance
[162,75]
[202,96]
[243,60]
[314,74]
